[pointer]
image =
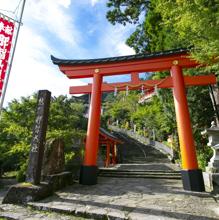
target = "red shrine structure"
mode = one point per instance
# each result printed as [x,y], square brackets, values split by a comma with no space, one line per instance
[110,142]
[174,61]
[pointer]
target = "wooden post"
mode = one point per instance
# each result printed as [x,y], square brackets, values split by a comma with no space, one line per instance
[107,155]
[135,78]
[88,175]
[191,175]
[113,154]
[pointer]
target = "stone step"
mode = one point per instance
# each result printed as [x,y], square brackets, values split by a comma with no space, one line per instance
[158,174]
[152,176]
[132,151]
[108,170]
[143,161]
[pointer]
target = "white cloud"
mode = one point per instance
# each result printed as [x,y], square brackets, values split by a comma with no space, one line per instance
[55,19]
[47,23]
[122,49]
[94,2]
[113,41]
[32,68]
[32,71]
[65,3]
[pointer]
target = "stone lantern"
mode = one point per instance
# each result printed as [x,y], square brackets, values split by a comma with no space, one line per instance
[213,142]
[212,170]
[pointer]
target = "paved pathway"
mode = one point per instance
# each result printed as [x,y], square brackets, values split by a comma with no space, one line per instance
[140,199]
[123,198]
[114,198]
[16,212]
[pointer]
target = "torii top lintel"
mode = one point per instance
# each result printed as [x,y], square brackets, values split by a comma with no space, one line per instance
[148,62]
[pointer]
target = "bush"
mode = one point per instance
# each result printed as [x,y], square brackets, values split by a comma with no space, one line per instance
[21,174]
[203,156]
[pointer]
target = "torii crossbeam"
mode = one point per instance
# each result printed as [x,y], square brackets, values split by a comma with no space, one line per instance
[147,84]
[173,61]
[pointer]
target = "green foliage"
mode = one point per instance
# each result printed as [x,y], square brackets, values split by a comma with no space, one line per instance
[196,23]
[163,25]
[21,174]
[151,116]
[121,108]
[204,156]
[126,11]
[69,157]
[66,121]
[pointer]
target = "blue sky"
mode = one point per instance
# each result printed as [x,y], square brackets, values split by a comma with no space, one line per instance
[66,29]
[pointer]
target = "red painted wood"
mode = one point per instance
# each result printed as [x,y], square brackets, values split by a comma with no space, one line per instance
[163,83]
[187,146]
[135,78]
[91,147]
[107,161]
[125,67]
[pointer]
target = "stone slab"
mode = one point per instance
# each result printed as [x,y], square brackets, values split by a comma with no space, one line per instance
[26,192]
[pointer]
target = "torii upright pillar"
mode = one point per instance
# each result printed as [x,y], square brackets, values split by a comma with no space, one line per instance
[191,176]
[89,170]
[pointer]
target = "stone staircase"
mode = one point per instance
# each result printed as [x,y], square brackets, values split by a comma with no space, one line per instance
[154,174]
[136,160]
[132,151]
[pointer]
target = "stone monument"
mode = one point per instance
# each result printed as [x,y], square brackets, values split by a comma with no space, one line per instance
[33,174]
[33,189]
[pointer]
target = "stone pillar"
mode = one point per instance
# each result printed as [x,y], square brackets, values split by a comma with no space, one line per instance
[214,94]
[33,174]
[135,128]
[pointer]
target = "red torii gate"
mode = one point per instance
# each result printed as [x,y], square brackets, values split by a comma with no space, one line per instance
[173,61]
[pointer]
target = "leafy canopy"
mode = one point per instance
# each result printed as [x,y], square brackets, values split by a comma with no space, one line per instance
[66,120]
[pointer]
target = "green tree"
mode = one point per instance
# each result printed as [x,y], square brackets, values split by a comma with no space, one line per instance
[163,25]
[121,107]
[196,23]
[66,120]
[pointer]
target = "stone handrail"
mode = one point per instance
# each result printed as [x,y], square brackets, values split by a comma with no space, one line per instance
[157,145]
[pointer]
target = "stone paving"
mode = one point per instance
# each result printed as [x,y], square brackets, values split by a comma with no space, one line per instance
[15,212]
[145,166]
[139,199]
[117,198]
[122,198]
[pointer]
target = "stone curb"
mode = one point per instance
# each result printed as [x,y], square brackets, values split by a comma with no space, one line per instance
[100,214]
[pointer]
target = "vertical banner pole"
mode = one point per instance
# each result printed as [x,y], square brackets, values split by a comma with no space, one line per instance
[12,58]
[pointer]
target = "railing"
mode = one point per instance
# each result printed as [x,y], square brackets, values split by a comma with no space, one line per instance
[157,145]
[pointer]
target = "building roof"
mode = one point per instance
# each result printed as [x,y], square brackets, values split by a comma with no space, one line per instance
[143,56]
[106,134]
